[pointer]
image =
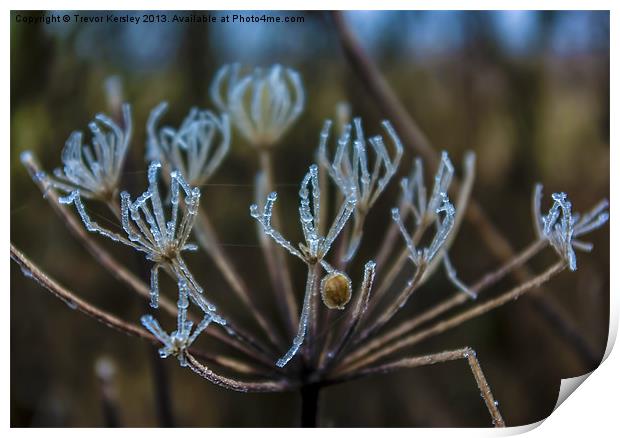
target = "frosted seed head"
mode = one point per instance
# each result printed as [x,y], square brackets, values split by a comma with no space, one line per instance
[336,290]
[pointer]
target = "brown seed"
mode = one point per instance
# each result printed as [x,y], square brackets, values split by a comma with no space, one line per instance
[336,290]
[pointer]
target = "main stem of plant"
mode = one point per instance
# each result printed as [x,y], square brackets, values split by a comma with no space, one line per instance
[309,404]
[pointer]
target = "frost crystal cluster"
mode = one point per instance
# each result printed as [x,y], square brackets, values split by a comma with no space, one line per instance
[560,227]
[426,212]
[179,341]
[351,170]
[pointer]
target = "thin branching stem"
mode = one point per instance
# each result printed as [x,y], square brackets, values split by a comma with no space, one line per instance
[74,302]
[431,359]
[119,271]
[387,315]
[459,298]
[77,229]
[331,352]
[388,281]
[391,236]
[275,257]
[235,385]
[350,365]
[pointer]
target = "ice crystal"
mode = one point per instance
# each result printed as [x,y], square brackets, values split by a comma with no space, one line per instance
[196,149]
[415,193]
[350,169]
[560,227]
[315,247]
[95,170]
[147,229]
[263,104]
[422,257]
[426,209]
[177,342]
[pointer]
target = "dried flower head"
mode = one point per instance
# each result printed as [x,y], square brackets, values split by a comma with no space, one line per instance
[196,149]
[95,170]
[148,231]
[560,227]
[350,170]
[263,104]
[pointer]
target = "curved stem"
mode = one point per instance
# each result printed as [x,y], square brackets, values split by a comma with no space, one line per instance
[444,306]
[350,365]
[119,271]
[74,302]
[431,359]
[232,384]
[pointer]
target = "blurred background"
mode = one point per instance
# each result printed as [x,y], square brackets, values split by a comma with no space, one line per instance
[527,91]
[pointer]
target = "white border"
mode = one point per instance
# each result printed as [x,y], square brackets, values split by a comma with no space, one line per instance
[590,410]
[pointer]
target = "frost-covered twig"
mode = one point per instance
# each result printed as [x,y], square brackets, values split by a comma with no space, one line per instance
[163,241]
[430,359]
[350,364]
[147,229]
[414,202]
[351,169]
[178,342]
[448,304]
[232,384]
[275,261]
[262,105]
[315,247]
[117,269]
[30,270]
[560,227]
[196,150]
[352,323]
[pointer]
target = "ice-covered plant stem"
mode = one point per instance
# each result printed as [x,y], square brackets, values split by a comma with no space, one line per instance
[352,170]
[313,250]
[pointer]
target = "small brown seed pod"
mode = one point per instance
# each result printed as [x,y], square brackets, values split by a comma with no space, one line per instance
[336,290]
